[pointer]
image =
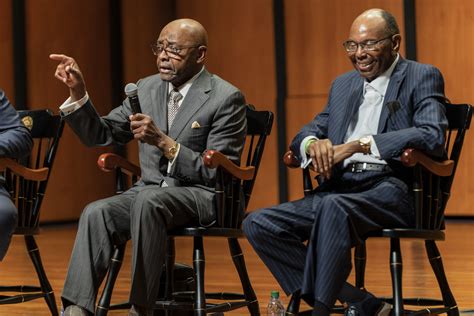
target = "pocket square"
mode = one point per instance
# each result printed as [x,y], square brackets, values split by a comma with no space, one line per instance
[195,125]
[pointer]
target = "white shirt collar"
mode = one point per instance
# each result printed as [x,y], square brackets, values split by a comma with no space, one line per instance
[184,88]
[380,83]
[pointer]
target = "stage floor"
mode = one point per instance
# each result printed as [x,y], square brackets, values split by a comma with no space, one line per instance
[55,243]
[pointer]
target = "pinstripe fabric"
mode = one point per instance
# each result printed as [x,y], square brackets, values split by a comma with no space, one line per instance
[145,212]
[349,205]
[15,141]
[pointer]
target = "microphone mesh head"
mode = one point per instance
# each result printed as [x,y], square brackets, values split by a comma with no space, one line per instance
[131,90]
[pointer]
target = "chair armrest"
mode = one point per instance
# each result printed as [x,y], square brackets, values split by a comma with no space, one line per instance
[411,157]
[290,160]
[109,162]
[213,159]
[40,174]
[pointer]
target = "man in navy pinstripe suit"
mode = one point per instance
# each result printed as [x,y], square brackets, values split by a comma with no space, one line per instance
[385,105]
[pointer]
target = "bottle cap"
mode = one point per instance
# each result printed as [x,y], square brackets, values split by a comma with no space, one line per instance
[275,294]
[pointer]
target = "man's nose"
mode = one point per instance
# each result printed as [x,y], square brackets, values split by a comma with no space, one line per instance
[163,55]
[360,51]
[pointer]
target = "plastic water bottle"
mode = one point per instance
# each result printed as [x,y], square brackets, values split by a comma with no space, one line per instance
[275,307]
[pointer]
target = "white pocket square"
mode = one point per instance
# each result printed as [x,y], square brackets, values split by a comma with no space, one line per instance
[195,125]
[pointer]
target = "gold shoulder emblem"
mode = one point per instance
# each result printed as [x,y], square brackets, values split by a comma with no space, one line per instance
[28,122]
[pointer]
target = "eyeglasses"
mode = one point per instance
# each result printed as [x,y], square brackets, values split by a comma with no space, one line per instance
[171,50]
[351,46]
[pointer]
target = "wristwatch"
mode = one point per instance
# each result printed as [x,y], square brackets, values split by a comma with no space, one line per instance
[365,143]
[173,150]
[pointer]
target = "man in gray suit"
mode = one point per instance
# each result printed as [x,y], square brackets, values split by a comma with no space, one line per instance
[15,141]
[385,105]
[185,110]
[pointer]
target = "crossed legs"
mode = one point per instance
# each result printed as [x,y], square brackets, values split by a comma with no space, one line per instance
[332,223]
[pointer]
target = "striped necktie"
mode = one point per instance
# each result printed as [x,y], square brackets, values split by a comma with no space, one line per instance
[173,106]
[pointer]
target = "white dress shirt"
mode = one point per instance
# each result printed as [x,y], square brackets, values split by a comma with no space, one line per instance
[68,107]
[365,122]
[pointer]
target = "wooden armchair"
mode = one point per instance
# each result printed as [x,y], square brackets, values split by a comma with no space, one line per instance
[431,189]
[26,181]
[231,182]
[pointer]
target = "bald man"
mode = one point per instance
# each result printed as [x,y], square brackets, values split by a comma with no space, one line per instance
[185,111]
[385,105]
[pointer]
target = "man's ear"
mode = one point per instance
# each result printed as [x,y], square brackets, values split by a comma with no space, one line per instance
[202,51]
[396,39]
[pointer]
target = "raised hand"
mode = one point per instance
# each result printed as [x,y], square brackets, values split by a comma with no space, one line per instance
[70,74]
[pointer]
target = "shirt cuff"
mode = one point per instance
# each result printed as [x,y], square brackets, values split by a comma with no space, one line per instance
[68,107]
[170,163]
[374,151]
[304,156]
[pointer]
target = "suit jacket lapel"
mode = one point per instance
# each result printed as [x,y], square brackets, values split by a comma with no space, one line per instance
[193,101]
[159,106]
[355,100]
[392,92]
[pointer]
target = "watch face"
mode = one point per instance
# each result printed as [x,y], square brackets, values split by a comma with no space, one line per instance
[365,140]
[173,150]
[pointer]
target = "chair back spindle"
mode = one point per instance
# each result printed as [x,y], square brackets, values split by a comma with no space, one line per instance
[27,194]
[235,191]
[432,192]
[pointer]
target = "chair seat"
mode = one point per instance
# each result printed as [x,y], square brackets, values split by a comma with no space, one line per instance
[425,234]
[207,231]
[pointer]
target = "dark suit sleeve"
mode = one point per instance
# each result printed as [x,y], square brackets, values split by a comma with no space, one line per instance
[227,135]
[15,139]
[426,113]
[318,128]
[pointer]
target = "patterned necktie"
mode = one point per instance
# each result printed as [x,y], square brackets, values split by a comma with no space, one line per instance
[173,105]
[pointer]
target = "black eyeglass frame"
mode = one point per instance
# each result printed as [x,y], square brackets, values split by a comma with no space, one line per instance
[369,45]
[170,50]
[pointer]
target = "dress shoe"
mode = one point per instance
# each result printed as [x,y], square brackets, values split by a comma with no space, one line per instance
[140,311]
[370,306]
[75,310]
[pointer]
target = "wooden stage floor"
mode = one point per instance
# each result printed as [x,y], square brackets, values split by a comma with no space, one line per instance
[56,242]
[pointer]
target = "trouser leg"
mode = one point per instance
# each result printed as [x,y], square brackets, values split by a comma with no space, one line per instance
[277,235]
[339,221]
[102,224]
[8,220]
[154,211]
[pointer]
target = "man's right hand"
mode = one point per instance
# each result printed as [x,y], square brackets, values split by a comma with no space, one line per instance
[321,153]
[69,73]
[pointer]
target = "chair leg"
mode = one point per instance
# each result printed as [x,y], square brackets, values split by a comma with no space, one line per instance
[396,271]
[294,304]
[114,269]
[169,270]
[46,288]
[199,265]
[239,263]
[360,258]
[438,269]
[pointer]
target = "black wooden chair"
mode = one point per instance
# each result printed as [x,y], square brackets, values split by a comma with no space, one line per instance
[431,187]
[232,184]
[26,181]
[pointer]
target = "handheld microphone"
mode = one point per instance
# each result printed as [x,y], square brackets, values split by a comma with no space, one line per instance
[131,90]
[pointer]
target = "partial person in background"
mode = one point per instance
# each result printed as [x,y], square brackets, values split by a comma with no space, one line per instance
[185,111]
[15,142]
[385,105]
